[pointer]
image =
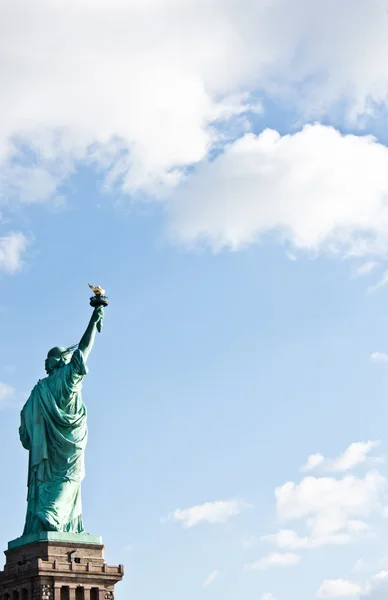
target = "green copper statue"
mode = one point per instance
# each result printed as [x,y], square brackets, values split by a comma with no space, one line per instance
[53,429]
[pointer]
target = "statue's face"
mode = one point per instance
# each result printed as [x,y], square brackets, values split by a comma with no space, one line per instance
[56,359]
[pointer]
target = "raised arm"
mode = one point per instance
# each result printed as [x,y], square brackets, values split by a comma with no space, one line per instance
[87,340]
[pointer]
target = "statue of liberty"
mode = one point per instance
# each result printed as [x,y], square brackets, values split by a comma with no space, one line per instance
[53,429]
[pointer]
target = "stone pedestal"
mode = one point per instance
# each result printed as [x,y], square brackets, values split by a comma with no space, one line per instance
[58,566]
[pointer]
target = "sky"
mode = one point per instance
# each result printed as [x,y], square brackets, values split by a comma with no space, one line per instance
[221,168]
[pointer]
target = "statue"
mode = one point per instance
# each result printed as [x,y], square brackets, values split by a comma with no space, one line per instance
[53,429]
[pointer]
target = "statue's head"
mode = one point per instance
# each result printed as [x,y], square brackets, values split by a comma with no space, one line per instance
[56,358]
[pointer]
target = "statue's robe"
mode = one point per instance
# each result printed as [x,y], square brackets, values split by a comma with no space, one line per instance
[53,428]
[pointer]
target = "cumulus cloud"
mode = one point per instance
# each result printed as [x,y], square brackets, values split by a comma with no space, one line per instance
[330,503]
[210,579]
[12,247]
[354,455]
[316,190]
[335,511]
[126,85]
[122,85]
[274,559]
[338,588]
[219,511]
[313,461]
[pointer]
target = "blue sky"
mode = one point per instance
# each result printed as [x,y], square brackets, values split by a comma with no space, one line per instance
[214,169]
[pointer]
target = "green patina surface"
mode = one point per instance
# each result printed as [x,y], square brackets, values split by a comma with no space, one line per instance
[53,429]
[55,536]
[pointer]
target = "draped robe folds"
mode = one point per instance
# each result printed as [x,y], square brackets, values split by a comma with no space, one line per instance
[53,429]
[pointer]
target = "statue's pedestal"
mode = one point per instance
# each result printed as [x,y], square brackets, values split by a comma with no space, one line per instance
[58,566]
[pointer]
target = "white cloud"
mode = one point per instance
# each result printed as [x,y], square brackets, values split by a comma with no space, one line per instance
[335,511]
[267,596]
[289,539]
[126,83]
[330,503]
[219,511]
[379,357]
[274,559]
[365,269]
[381,576]
[338,588]
[12,247]
[313,461]
[209,580]
[316,190]
[357,526]
[123,84]
[6,394]
[354,455]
